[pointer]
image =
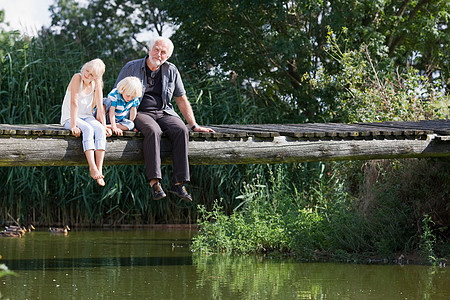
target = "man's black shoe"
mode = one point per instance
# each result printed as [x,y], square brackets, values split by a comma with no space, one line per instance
[180,191]
[157,191]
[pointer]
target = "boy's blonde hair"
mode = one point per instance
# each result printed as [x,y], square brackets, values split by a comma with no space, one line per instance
[98,68]
[130,86]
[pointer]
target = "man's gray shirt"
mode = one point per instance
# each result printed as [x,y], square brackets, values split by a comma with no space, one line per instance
[172,85]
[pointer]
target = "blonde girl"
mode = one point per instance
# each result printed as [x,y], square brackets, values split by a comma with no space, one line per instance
[82,95]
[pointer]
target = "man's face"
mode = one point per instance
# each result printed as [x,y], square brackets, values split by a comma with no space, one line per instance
[159,53]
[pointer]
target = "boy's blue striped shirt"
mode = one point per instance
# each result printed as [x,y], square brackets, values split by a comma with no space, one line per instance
[122,108]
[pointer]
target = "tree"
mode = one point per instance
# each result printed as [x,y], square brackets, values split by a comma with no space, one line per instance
[108,29]
[276,48]
[267,44]
[273,50]
[417,34]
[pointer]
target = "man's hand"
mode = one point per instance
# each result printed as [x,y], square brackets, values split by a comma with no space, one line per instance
[198,128]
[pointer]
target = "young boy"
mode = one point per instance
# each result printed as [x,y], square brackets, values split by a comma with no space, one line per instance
[122,101]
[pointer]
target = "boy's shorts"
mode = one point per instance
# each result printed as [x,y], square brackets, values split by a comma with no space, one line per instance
[127,123]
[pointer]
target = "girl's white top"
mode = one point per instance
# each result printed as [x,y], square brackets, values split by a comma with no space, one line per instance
[84,104]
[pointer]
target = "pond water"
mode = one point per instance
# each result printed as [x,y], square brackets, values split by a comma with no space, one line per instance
[158,264]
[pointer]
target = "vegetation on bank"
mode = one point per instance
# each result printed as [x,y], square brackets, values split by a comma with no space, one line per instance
[399,212]
[251,62]
[353,211]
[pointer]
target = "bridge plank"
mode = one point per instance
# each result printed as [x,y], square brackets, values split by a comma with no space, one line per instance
[52,145]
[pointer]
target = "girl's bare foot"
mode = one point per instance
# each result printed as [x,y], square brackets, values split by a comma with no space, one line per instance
[101,182]
[96,174]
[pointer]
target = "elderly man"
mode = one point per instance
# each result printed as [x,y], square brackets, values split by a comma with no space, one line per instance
[161,81]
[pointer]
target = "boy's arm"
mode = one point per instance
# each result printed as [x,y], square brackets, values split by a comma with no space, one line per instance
[133,113]
[112,117]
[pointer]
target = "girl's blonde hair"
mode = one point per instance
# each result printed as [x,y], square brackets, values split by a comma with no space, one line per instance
[97,68]
[130,86]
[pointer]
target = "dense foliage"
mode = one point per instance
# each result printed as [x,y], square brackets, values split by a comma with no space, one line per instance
[276,49]
[261,61]
[400,212]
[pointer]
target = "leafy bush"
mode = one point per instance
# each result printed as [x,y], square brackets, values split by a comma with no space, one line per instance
[273,216]
[378,90]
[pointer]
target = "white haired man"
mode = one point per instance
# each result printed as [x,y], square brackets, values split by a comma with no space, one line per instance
[161,81]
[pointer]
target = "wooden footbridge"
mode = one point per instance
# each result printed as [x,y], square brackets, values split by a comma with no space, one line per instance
[52,145]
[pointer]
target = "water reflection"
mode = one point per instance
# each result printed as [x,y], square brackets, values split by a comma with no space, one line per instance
[62,263]
[156,264]
[287,279]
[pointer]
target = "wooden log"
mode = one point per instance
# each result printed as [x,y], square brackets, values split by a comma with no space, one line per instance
[63,150]
[52,145]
